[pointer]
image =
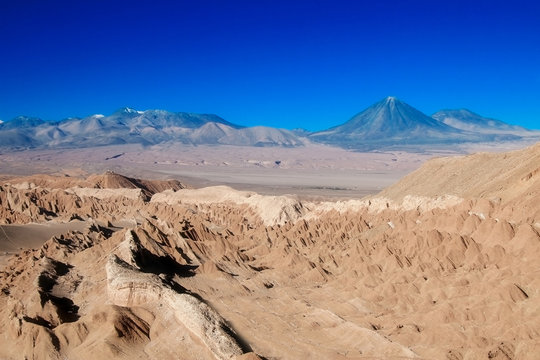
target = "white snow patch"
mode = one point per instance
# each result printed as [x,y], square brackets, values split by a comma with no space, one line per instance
[128,110]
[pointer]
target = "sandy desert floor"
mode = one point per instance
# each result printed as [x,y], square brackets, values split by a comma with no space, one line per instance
[443,264]
[311,171]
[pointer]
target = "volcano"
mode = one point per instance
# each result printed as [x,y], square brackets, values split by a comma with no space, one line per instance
[390,123]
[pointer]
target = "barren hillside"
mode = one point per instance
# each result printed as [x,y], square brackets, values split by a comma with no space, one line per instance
[443,265]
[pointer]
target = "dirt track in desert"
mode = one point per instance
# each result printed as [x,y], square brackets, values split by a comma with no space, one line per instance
[444,264]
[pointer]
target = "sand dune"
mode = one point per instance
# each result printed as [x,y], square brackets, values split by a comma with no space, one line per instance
[445,264]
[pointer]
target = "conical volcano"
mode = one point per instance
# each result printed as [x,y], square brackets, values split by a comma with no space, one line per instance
[391,122]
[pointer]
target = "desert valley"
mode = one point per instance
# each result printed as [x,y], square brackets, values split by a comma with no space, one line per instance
[269,180]
[171,237]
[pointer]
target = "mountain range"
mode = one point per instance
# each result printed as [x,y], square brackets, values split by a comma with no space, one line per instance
[129,126]
[390,123]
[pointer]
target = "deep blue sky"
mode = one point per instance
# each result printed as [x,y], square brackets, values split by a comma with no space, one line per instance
[311,64]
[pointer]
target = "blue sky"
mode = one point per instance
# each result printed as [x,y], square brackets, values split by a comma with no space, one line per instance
[310,64]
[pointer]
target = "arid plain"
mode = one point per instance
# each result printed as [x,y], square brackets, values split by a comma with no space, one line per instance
[277,253]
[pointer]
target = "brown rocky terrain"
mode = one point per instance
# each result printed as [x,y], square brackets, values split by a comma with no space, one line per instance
[445,264]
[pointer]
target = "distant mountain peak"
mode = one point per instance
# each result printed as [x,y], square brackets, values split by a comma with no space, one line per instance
[128,110]
[24,122]
[388,122]
[462,111]
[390,114]
[467,120]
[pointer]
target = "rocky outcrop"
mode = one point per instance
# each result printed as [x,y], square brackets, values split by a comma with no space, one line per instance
[129,287]
[270,209]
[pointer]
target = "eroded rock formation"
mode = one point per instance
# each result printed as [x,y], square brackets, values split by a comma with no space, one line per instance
[419,271]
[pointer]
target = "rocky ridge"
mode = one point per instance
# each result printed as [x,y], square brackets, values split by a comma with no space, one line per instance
[444,264]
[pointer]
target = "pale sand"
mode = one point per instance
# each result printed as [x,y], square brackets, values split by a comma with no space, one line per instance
[16,237]
[312,171]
